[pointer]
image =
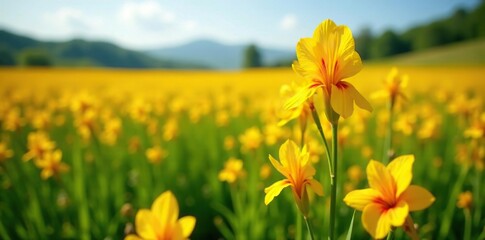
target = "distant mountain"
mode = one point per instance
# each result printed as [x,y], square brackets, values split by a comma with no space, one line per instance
[218,55]
[79,52]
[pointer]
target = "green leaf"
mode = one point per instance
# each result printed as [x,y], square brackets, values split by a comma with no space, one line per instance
[351,227]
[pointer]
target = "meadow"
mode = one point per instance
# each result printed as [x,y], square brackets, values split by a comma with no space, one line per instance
[117,139]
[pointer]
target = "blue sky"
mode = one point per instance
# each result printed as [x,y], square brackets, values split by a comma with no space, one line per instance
[147,24]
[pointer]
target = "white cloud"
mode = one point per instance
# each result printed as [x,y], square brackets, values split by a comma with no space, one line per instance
[189,25]
[72,20]
[288,22]
[148,14]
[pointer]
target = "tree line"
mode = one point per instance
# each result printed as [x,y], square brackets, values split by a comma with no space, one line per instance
[460,26]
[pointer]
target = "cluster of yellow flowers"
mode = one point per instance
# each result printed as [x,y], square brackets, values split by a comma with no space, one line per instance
[42,150]
[324,61]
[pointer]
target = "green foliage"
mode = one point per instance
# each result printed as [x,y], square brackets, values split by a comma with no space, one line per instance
[462,25]
[252,57]
[285,63]
[363,43]
[35,58]
[388,44]
[462,53]
[6,58]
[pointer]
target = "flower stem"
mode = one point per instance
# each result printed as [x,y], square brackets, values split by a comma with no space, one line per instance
[309,227]
[316,119]
[389,235]
[388,141]
[299,230]
[333,177]
[468,224]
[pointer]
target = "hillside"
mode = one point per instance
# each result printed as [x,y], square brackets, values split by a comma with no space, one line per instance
[468,52]
[79,52]
[217,55]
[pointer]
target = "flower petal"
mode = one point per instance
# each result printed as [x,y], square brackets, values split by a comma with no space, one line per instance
[358,199]
[316,186]
[278,166]
[349,65]
[358,98]
[323,30]
[347,44]
[342,101]
[147,224]
[133,237]
[289,155]
[417,198]
[397,214]
[381,180]
[349,61]
[187,224]
[306,57]
[375,223]
[274,190]
[166,208]
[300,97]
[401,169]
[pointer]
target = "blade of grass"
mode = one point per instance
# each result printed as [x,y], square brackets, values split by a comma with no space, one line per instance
[351,228]
[80,191]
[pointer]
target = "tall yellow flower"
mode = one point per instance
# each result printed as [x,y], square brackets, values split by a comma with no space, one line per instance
[38,144]
[51,164]
[233,170]
[155,154]
[161,221]
[5,152]
[298,171]
[250,139]
[393,86]
[324,60]
[465,200]
[390,197]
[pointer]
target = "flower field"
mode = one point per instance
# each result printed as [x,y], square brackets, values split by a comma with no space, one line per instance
[83,152]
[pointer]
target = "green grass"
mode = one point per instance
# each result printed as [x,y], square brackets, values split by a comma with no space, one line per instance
[464,53]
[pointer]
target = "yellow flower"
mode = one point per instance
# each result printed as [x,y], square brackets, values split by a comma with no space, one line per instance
[233,169]
[161,221]
[38,144]
[477,128]
[155,154]
[140,110]
[354,173]
[12,120]
[265,171]
[251,139]
[302,111]
[430,128]
[390,197]
[315,149]
[324,60]
[222,118]
[298,171]
[229,142]
[51,164]
[170,129]
[405,123]
[393,86]
[465,200]
[273,133]
[41,119]
[5,152]
[111,131]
